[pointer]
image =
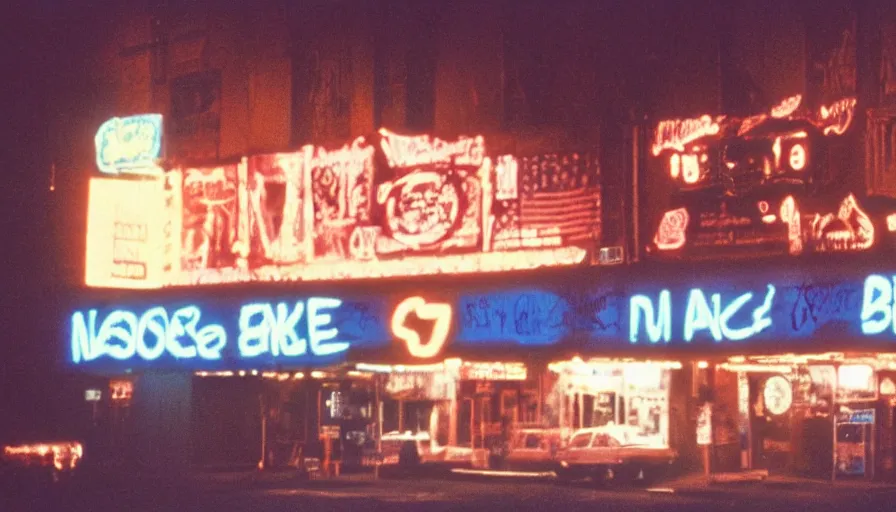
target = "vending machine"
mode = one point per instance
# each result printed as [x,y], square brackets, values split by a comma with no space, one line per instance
[854,443]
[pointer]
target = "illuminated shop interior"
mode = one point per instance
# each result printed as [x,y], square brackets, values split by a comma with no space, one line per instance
[810,414]
[626,395]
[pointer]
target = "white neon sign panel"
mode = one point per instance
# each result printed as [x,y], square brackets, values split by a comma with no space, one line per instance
[131,144]
[701,314]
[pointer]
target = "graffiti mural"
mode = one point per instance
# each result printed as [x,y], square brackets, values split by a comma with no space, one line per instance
[382,206]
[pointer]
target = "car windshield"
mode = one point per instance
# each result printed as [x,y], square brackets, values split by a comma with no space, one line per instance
[580,440]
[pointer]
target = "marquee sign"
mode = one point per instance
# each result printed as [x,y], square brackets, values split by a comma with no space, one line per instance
[785,311]
[395,205]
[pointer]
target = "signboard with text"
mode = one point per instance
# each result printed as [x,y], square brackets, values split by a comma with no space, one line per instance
[792,309]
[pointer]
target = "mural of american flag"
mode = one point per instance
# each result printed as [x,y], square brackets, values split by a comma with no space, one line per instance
[559,195]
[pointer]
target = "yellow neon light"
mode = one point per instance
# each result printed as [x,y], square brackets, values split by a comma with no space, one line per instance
[675,133]
[787,107]
[440,313]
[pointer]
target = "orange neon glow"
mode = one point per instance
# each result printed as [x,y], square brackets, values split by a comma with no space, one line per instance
[493,371]
[498,261]
[891,222]
[776,149]
[671,233]
[690,169]
[122,390]
[65,456]
[675,133]
[790,215]
[675,165]
[763,207]
[439,313]
[857,233]
[769,218]
[414,150]
[797,157]
[838,116]
[787,107]
[750,123]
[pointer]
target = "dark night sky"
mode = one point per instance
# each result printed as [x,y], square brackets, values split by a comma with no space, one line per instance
[39,51]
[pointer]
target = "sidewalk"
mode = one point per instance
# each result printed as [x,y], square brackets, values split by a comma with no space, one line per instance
[753,481]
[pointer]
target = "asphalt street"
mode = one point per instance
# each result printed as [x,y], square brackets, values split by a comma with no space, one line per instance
[433,495]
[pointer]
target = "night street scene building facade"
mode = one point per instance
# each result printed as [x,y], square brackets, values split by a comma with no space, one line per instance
[335,230]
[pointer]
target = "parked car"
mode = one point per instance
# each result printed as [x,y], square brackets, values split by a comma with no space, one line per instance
[533,449]
[611,453]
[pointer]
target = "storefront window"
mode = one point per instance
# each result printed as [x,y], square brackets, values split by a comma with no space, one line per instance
[630,399]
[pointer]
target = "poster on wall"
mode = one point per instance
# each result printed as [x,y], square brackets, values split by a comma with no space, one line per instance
[195,118]
[386,206]
[125,233]
[761,185]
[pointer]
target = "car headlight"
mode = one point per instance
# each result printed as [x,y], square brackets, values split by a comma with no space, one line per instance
[564,464]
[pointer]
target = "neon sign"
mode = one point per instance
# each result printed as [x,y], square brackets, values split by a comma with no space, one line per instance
[130,144]
[675,133]
[281,330]
[700,314]
[787,106]
[438,313]
[671,234]
[838,115]
[265,328]
[410,151]
[854,231]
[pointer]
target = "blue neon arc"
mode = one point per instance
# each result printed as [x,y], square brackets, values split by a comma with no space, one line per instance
[700,315]
[124,335]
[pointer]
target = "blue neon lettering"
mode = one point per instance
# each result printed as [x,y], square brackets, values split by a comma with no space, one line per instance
[254,335]
[698,316]
[160,329]
[320,338]
[83,334]
[761,318]
[658,324]
[286,340]
[183,323]
[123,335]
[877,304]
[112,329]
[731,310]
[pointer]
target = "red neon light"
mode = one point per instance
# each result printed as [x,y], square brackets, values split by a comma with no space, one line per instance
[675,133]
[790,215]
[410,151]
[690,169]
[891,222]
[856,235]
[787,107]
[838,116]
[750,123]
[671,233]
[797,157]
